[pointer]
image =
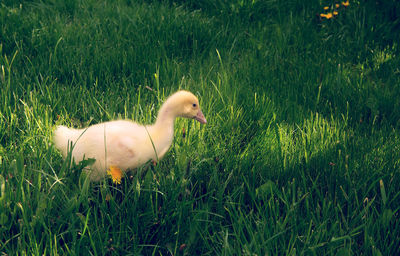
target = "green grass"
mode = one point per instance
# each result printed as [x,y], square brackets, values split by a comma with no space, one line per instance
[300,155]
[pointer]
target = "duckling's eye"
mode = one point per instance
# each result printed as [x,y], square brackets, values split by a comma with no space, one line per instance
[194,105]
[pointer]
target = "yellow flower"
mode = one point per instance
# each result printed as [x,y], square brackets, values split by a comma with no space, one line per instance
[326,8]
[345,4]
[115,173]
[326,16]
[337,5]
[335,13]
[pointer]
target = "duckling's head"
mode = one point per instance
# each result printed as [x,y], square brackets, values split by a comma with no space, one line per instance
[185,104]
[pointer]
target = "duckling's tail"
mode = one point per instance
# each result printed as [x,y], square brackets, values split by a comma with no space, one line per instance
[64,137]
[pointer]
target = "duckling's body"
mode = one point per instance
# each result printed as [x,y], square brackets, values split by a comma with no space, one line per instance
[126,144]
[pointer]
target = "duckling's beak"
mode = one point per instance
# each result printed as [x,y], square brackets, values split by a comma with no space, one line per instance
[200,117]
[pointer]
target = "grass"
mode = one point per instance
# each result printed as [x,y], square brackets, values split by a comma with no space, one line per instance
[300,154]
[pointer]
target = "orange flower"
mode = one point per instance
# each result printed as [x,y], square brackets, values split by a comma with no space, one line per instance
[337,5]
[115,173]
[326,16]
[345,4]
[326,8]
[335,13]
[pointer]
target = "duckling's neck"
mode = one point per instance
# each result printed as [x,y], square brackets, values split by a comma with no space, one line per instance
[162,131]
[163,128]
[165,118]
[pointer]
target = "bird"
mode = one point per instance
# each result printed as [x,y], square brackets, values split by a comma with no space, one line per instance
[124,144]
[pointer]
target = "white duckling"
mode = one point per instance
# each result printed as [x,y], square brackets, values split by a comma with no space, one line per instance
[125,144]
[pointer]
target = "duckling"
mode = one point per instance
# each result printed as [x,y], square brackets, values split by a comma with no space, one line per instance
[126,144]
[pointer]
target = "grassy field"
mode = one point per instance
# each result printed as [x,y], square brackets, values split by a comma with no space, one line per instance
[300,155]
